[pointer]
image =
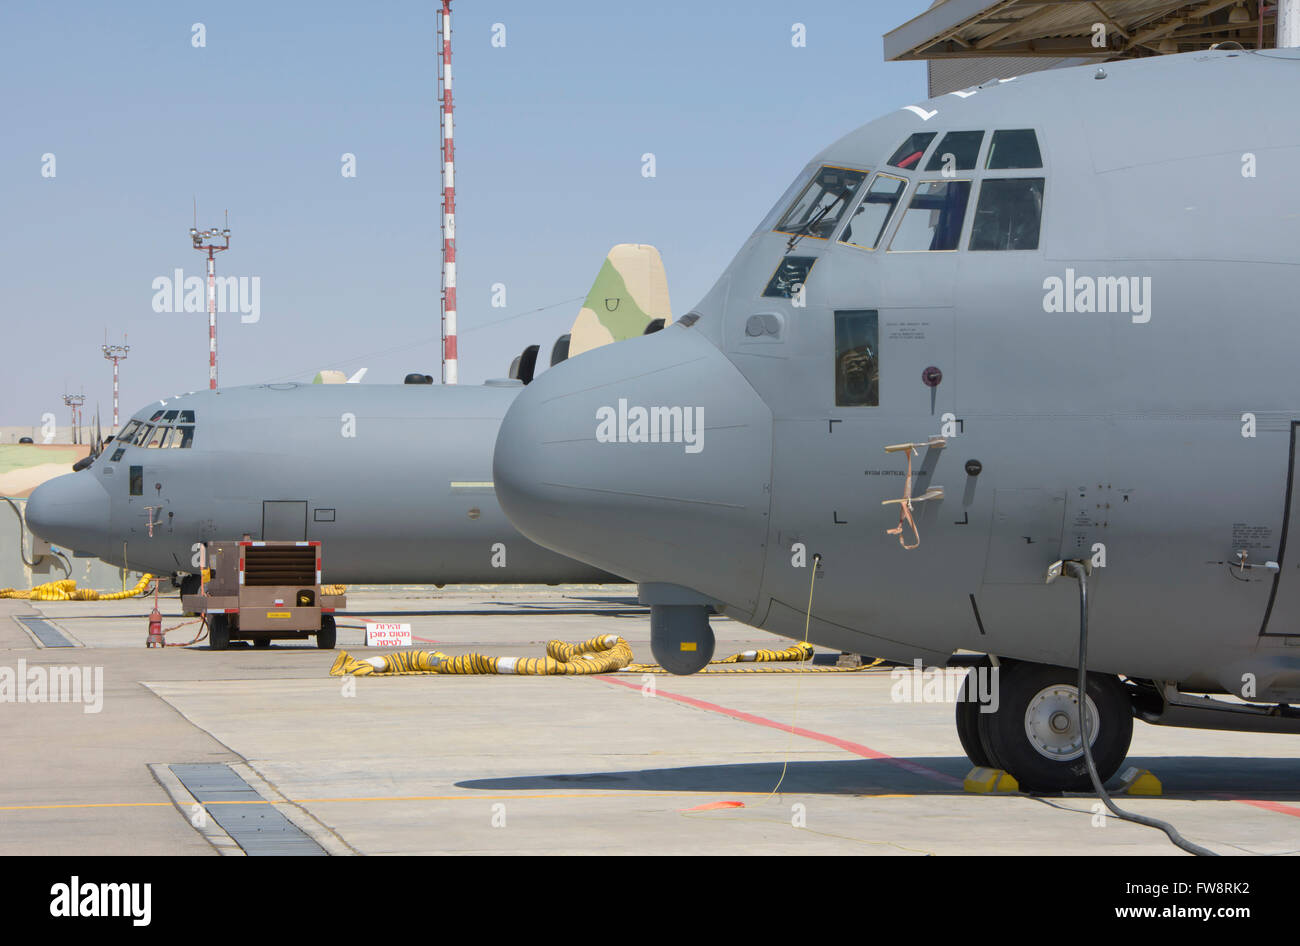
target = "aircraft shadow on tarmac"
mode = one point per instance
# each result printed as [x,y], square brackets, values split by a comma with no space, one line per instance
[1184,777]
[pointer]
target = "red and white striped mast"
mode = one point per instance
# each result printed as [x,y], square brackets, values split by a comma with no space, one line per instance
[203,241]
[448,201]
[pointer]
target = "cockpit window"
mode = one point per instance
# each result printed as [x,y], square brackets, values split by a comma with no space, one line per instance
[821,204]
[1008,214]
[156,415]
[958,151]
[790,276]
[933,220]
[857,365]
[910,151]
[1014,149]
[867,225]
[163,434]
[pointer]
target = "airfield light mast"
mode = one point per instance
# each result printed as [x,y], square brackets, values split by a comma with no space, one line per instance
[449,360]
[115,353]
[75,401]
[205,241]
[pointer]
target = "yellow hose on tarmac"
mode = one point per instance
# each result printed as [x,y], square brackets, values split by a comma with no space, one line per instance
[67,590]
[604,654]
[601,654]
[798,654]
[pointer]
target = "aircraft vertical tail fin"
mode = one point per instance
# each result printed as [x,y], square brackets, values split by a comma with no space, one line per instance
[628,298]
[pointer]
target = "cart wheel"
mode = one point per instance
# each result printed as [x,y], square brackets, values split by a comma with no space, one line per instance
[218,631]
[328,632]
[262,643]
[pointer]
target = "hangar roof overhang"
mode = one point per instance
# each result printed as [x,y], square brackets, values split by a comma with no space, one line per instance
[965,29]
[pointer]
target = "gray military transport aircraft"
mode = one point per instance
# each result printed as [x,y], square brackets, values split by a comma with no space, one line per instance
[1073,295]
[394,480]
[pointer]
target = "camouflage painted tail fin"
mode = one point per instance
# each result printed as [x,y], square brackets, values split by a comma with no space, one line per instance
[629,294]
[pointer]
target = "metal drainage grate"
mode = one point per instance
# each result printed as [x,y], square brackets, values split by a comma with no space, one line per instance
[256,826]
[45,632]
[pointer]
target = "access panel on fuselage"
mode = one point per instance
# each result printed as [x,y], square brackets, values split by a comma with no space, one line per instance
[284,520]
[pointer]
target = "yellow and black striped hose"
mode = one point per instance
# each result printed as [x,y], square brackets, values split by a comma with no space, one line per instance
[607,653]
[67,590]
[601,654]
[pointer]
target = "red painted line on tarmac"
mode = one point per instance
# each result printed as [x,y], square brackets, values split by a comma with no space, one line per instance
[714,806]
[858,749]
[1271,806]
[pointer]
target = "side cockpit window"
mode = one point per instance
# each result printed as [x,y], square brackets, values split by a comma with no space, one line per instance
[934,218]
[819,206]
[128,432]
[867,225]
[1008,215]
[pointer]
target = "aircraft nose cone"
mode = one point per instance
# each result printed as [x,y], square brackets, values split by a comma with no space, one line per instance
[650,458]
[70,511]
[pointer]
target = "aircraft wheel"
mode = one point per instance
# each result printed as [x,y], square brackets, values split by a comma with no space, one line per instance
[968,714]
[218,631]
[328,632]
[190,584]
[1034,734]
[262,642]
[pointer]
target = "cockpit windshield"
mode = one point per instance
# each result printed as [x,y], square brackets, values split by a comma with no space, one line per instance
[868,223]
[164,430]
[818,208]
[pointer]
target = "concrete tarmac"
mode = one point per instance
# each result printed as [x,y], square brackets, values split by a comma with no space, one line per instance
[615,764]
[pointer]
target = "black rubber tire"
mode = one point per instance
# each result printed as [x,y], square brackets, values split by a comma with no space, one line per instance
[218,631]
[968,713]
[261,642]
[190,584]
[1003,733]
[328,633]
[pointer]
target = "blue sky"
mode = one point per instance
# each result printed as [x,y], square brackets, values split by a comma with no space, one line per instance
[550,131]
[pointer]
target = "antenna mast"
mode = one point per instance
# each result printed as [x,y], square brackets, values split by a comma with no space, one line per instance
[449,360]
